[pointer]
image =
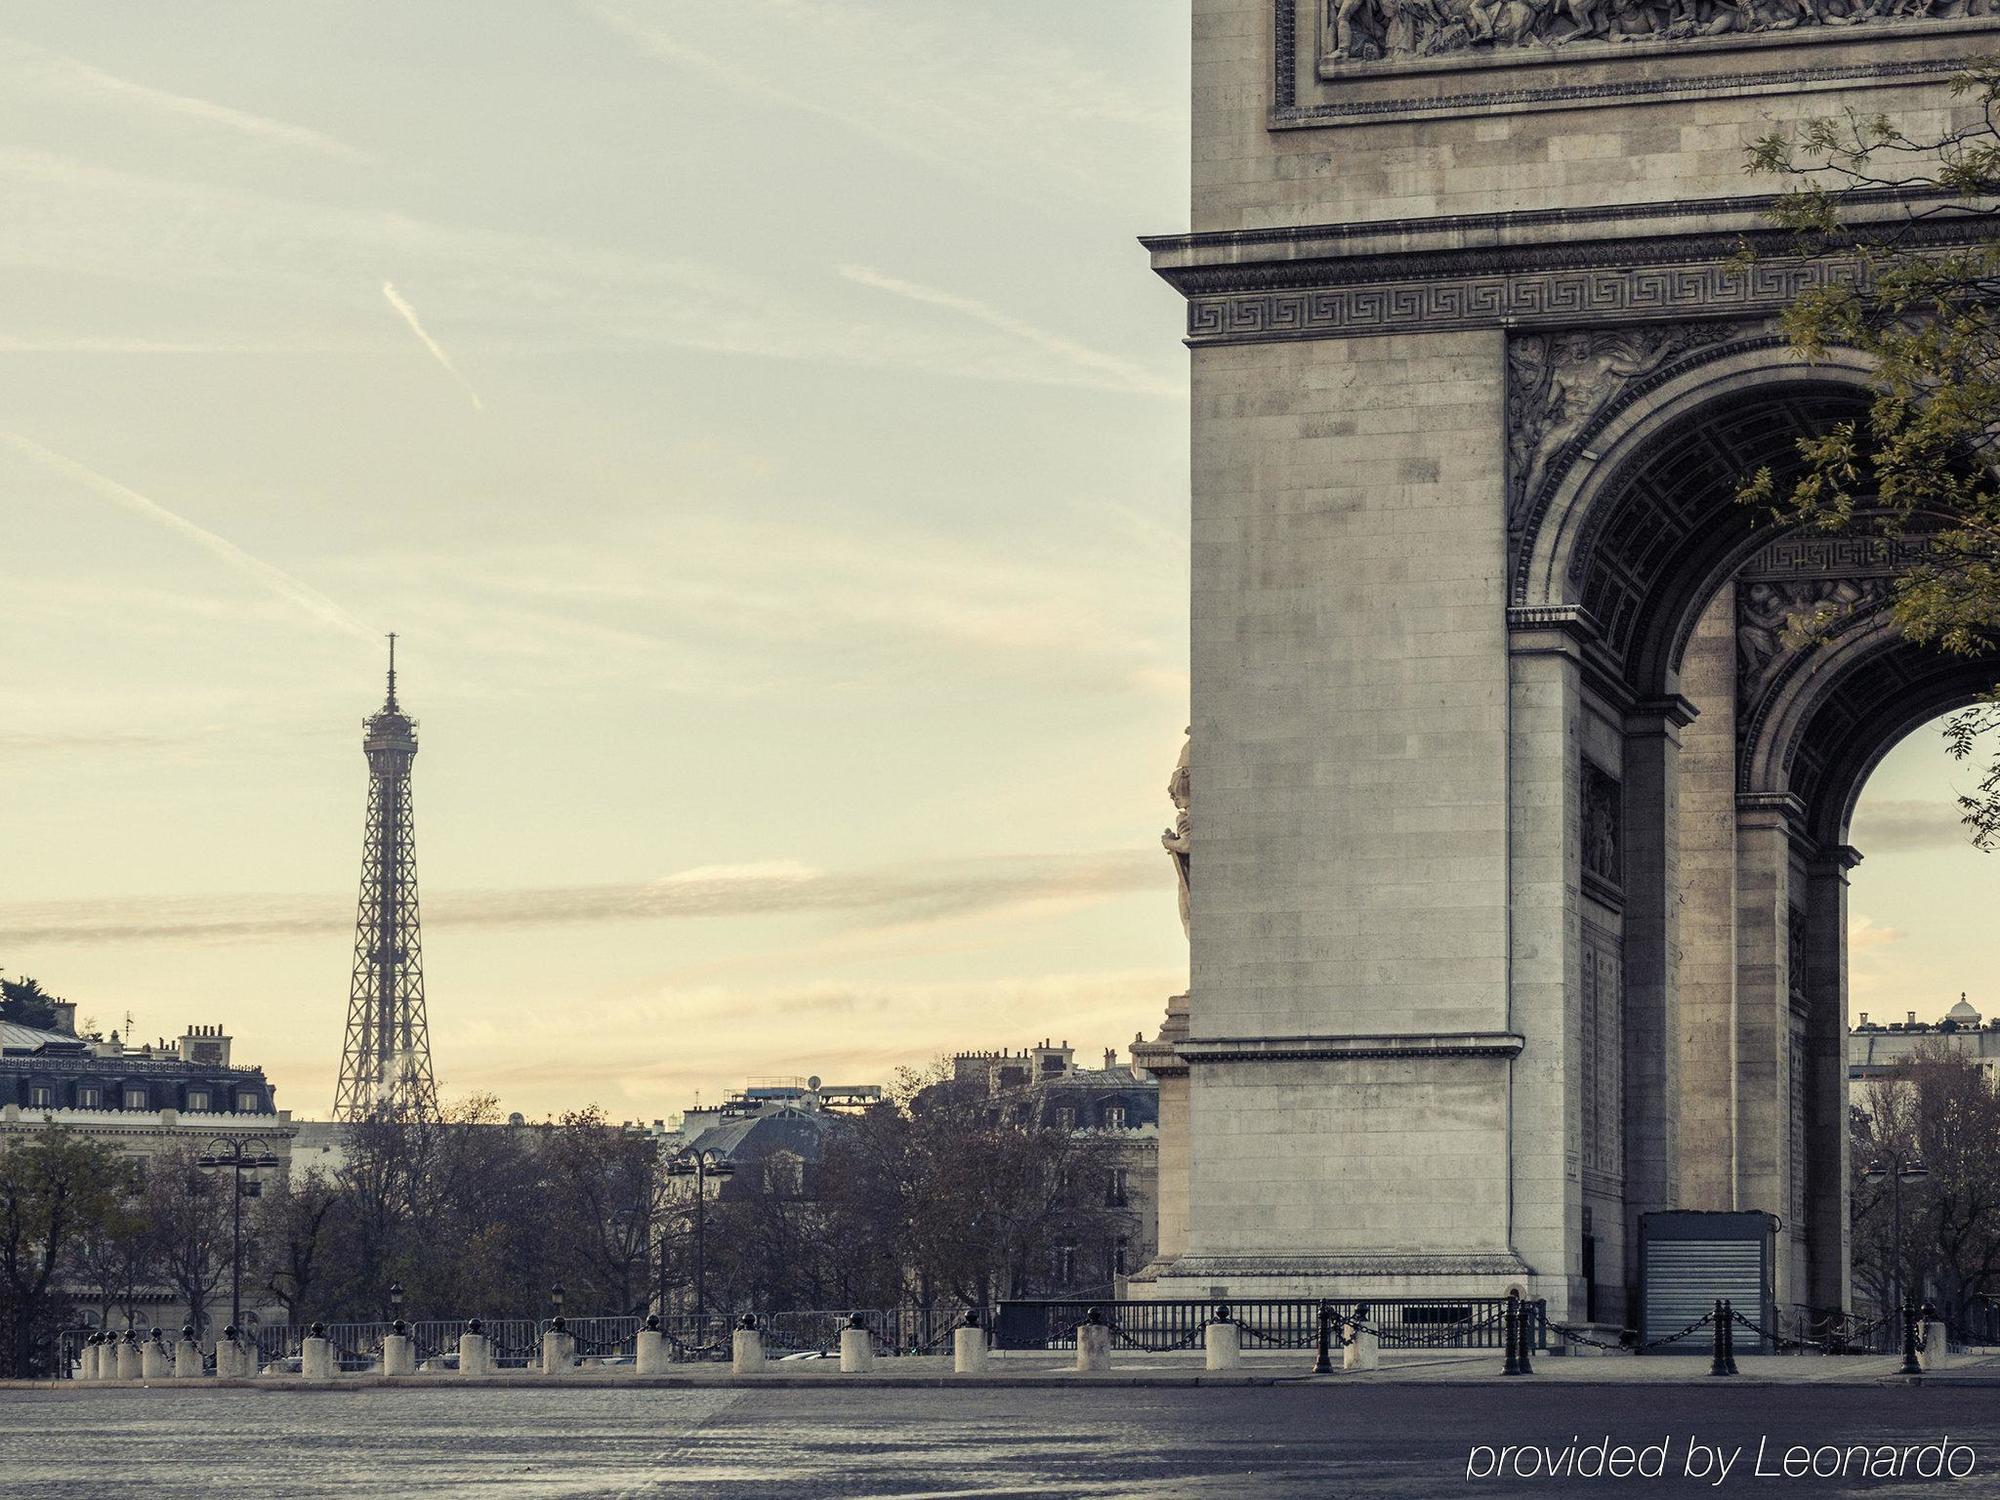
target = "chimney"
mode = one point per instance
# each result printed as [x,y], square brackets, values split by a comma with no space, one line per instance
[1110,1058]
[1913,1019]
[65,1016]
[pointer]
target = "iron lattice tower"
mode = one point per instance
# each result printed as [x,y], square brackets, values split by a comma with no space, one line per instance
[385,1067]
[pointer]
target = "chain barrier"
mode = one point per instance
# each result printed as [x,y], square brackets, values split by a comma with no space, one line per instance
[1571,1335]
[1450,1337]
[685,1351]
[1301,1340]
[1187,1340]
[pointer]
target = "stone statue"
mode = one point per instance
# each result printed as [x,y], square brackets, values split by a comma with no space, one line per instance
[1376,30]
[1176,840]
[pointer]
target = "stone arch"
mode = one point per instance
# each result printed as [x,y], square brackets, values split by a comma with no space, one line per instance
[1636,522]
[1719,938]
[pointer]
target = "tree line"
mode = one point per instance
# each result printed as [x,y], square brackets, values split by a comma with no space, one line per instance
[1942,1110]
[927,1198]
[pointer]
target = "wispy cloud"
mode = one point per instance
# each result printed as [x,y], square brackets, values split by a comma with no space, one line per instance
[57,73]
[1864,933]
[1111,370]
[947,86]
[409,314]
[904,894]
[521,291]
[1892,826]
[719,603]
[295,591]
[847,1031]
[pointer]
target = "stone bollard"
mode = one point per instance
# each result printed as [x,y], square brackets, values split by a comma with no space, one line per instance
[746,1347]
[650,1348]
[475,1353]
[233,1358]
[86,1359]
[188,1363]
[1222,1341]
[1932,1350]
[154,1362]
[1093,1343]
[399,1354]
[1363,1351]
[129,1367]
[857,1347]
[968,1347]
[316,1360]
[558,1350]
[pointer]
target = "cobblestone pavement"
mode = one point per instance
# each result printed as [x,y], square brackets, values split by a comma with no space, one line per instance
[1399,1442]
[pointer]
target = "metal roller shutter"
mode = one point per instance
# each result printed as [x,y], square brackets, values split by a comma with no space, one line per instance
[1688,1260]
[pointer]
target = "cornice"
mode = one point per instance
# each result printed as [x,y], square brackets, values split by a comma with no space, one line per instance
[1499,271]
[1207,1051]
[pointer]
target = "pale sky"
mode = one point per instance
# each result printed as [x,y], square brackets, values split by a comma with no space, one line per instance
[760,424]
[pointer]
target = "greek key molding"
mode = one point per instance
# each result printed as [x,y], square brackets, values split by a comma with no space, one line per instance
[1605,294]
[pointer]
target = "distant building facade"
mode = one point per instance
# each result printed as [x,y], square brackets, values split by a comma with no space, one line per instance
[140,1100]
[1044,1086]
[770,1134]
[1875,1050]
[143,1102]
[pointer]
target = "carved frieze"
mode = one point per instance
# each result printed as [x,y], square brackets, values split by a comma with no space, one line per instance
[1364,31]
[1558,382]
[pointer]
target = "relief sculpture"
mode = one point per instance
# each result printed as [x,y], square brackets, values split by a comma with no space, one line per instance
[1374,30]
[1558,382]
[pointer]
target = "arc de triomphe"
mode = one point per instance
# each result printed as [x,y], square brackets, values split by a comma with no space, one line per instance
[1519,832]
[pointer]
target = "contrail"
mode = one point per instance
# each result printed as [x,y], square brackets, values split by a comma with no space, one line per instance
[1112,371]
[67,74]
[437,350]
[277,580]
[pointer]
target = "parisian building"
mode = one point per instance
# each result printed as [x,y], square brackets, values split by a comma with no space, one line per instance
[1876,1049]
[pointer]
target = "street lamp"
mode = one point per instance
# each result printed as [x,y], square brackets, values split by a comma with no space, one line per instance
[701,1166]
[1898,1169]
[239,1160]
[396,1307]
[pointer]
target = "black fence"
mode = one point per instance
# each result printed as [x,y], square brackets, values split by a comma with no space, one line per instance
[1270,1323]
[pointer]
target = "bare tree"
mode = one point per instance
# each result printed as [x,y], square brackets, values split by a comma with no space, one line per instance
[188,1209]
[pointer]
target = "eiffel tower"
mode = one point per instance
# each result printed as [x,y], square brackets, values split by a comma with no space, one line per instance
[385,1067]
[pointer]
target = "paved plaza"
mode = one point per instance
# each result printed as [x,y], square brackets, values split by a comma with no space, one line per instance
[1337,1437]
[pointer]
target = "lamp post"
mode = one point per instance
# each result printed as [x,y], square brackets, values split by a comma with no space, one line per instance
[701,1166]
[239,1160]
[396,1322]
[1897,1169]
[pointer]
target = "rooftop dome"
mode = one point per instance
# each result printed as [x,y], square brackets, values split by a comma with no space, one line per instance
[1962,1013]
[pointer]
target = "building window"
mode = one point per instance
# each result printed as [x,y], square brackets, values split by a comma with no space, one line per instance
[135,1098]
[89,1096]
[246,1103]
[1115,1190]
[41,1096]
[1066,1262]
[1065,1118]
[1120,1256]
[1114,1117]
[197,1099]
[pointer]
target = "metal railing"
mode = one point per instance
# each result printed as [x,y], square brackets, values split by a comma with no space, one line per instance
[1281,1323]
